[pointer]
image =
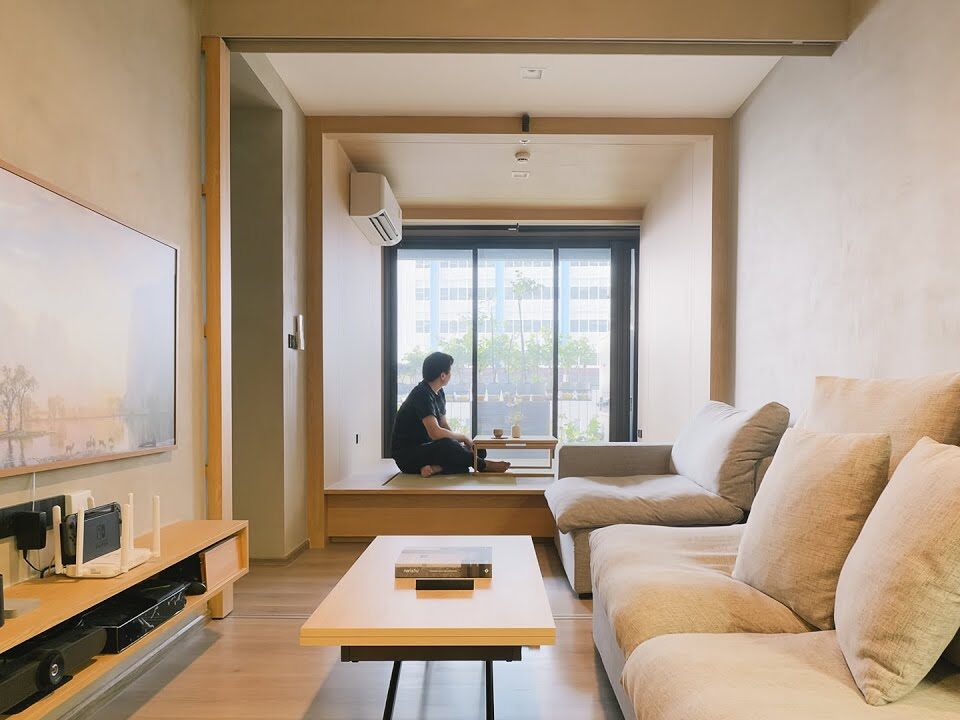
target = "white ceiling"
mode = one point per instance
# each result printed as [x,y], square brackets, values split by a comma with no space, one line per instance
[475,170]
[491,84]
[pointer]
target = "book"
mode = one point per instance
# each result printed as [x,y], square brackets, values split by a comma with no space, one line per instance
[445,562]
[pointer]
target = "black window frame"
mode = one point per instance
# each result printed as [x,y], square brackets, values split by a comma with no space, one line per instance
[623,243]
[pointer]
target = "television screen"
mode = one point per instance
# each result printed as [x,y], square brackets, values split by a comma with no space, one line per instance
[88,333]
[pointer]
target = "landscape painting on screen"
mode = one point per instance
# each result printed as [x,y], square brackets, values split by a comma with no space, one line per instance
[87,334]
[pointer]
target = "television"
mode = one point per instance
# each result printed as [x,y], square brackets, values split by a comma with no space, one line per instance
[88,332]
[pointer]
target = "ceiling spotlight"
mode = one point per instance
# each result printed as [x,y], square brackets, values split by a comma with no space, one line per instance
[522,157]
[520,175]
[531,73]
[524,141]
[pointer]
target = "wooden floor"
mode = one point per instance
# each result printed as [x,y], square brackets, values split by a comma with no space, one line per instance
[250,666]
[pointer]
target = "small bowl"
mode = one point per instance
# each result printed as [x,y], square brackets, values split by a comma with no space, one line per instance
[498,432]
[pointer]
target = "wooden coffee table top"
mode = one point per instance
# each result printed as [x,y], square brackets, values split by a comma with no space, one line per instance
[369,607]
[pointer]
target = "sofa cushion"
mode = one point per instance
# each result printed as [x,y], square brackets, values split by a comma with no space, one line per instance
[589,502]
[898,598]
[656,580]
[905,408]
[807,514]
[720,448]
[767,677]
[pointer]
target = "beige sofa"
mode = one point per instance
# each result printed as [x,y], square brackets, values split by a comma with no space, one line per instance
[681,639]
[708,477]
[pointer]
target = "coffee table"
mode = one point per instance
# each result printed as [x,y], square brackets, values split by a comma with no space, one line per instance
[525,442]
[372,616]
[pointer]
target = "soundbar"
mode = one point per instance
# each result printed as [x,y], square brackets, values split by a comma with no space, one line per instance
[39,666]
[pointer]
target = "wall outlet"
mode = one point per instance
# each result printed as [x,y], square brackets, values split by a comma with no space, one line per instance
[78,499]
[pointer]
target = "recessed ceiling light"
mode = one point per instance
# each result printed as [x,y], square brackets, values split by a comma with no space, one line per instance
[522,156]
[524,141]
[531,73]
[520,174]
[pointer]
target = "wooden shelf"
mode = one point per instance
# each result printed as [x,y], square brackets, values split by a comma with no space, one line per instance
[62,597]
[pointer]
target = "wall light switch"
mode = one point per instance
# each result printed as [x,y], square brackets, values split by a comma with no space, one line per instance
[299,332]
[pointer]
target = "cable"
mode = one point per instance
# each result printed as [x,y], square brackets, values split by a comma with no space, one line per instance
[34,567]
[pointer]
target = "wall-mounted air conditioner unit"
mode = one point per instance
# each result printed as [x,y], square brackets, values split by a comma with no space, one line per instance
[374,208]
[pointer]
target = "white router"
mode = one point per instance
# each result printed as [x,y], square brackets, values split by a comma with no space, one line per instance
[116,562]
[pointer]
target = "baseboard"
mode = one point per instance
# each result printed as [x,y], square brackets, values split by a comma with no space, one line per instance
[285,560]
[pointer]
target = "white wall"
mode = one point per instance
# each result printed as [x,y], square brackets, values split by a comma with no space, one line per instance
[674,286]
[849,208]
[352,329]
[102,99]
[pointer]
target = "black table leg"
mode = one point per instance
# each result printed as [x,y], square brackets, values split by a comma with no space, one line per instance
[392,691]
[488,672]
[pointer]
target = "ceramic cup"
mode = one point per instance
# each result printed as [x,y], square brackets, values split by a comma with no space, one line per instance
[498,432]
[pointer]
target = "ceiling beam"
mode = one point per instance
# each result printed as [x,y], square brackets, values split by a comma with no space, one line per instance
[335,126]
[508,214]
[529,47]
[719,21]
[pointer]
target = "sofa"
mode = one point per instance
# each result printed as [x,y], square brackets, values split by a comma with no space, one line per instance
[681,638]
[709,476]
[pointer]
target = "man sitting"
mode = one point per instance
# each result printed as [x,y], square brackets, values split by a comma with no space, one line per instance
[422,440]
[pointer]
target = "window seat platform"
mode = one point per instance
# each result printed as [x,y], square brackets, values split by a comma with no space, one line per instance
[381,501]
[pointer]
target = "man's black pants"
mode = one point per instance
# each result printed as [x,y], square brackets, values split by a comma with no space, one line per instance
[450,455]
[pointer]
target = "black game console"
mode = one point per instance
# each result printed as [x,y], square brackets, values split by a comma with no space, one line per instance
[101,533]
[133,613]
[39,666]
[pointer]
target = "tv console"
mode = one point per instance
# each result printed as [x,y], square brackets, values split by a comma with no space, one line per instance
[219,546]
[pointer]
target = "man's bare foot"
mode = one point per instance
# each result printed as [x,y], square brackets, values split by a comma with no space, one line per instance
[496,466]
[428,470]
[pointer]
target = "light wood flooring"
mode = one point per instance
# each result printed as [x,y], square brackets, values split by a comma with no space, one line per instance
[250,665]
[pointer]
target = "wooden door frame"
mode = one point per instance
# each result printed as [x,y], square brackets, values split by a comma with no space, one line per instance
[716,130]
[217,331]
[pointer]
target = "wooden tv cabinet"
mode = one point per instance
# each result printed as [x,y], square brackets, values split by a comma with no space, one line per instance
[61,598]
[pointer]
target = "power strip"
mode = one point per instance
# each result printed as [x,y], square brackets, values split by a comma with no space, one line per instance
[44,505]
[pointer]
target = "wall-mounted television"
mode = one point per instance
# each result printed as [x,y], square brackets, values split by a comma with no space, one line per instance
[88,333]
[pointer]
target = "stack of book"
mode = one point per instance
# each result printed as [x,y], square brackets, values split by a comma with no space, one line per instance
[445,562]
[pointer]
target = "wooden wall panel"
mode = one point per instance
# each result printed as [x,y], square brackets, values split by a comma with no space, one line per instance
[217,324]
[314,334]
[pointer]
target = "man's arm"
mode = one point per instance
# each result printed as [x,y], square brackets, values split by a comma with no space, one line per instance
[436,432]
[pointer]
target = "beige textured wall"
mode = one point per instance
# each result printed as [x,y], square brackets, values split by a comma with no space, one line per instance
[294,302]
[101,99]
[674,286]
[849,207]
[256,187]
[352,329]
[268,175]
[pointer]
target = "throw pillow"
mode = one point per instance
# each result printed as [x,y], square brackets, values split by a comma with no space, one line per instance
[906,408]
[898,598]
[720,448]
[812,504]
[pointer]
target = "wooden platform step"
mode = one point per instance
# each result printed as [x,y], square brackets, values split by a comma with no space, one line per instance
[381,501]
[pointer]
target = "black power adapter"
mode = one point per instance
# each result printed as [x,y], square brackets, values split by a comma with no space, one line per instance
[30,529]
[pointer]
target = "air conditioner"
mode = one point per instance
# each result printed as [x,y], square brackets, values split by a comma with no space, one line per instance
[374,208]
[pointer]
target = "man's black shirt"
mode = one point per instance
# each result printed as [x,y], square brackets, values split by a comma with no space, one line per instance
[408,429]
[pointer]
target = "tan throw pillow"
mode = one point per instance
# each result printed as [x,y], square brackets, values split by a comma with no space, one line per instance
[898,599]
[720,448]
[905,408]
[809,510]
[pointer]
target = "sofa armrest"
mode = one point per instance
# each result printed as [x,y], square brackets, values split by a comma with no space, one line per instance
[614,460]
